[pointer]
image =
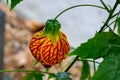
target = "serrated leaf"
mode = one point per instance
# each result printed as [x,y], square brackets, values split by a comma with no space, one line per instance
[109,69]
[118,24]
[14,3]
[98,46]
[85,71]
[34,75]
[63,76]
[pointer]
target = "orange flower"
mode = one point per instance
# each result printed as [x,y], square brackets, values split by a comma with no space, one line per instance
[49,47]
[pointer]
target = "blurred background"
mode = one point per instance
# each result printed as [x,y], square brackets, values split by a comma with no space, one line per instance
[29,16]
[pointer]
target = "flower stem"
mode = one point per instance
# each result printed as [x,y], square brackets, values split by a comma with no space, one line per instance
[78,6]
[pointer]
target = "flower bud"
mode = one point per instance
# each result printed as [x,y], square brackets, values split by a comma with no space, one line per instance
[49,48]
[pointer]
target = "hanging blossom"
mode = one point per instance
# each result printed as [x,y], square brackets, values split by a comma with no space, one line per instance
[50,46]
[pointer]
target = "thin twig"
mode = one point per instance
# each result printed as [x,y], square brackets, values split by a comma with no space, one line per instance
[109,17]
[116,21]
[72,63]
[105,5]
[22,70]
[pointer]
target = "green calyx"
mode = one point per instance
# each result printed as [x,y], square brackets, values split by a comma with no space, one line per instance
[51,30]
[52,26]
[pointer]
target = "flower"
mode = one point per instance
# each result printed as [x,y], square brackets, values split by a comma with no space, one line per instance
[50,45]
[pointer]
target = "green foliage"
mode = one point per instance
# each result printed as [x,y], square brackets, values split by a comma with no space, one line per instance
[7,1]
[104,45]
[34,75]
[118,24]
[51,76]
[109,69]
[36,62]
[98,46]
[63,76]
[13,3]
[85,70]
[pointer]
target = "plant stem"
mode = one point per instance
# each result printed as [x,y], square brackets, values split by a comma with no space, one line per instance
[88,60]
[102,28]
[94,65]
[105,5]
[109,17]
[21,70]
[78,6]
[76,58]
[116,14]
[72,63]
[116,21]
[7,1]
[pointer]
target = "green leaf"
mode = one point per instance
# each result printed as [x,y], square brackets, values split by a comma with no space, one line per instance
[98,46]
[7,1]
[29,76]
[14,3]
[34,75]
[85,70]
[118,24]
[51,75]
[36,62]
[109,69]
[38,76]
[63,76]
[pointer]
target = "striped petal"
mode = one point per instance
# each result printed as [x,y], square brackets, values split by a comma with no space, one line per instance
[43,49]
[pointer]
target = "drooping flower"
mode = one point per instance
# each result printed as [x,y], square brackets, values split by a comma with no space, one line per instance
[50,45]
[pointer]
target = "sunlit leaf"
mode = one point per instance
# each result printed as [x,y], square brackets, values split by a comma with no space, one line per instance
[98,46]
[109,69]
[85,70]
[63,76]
